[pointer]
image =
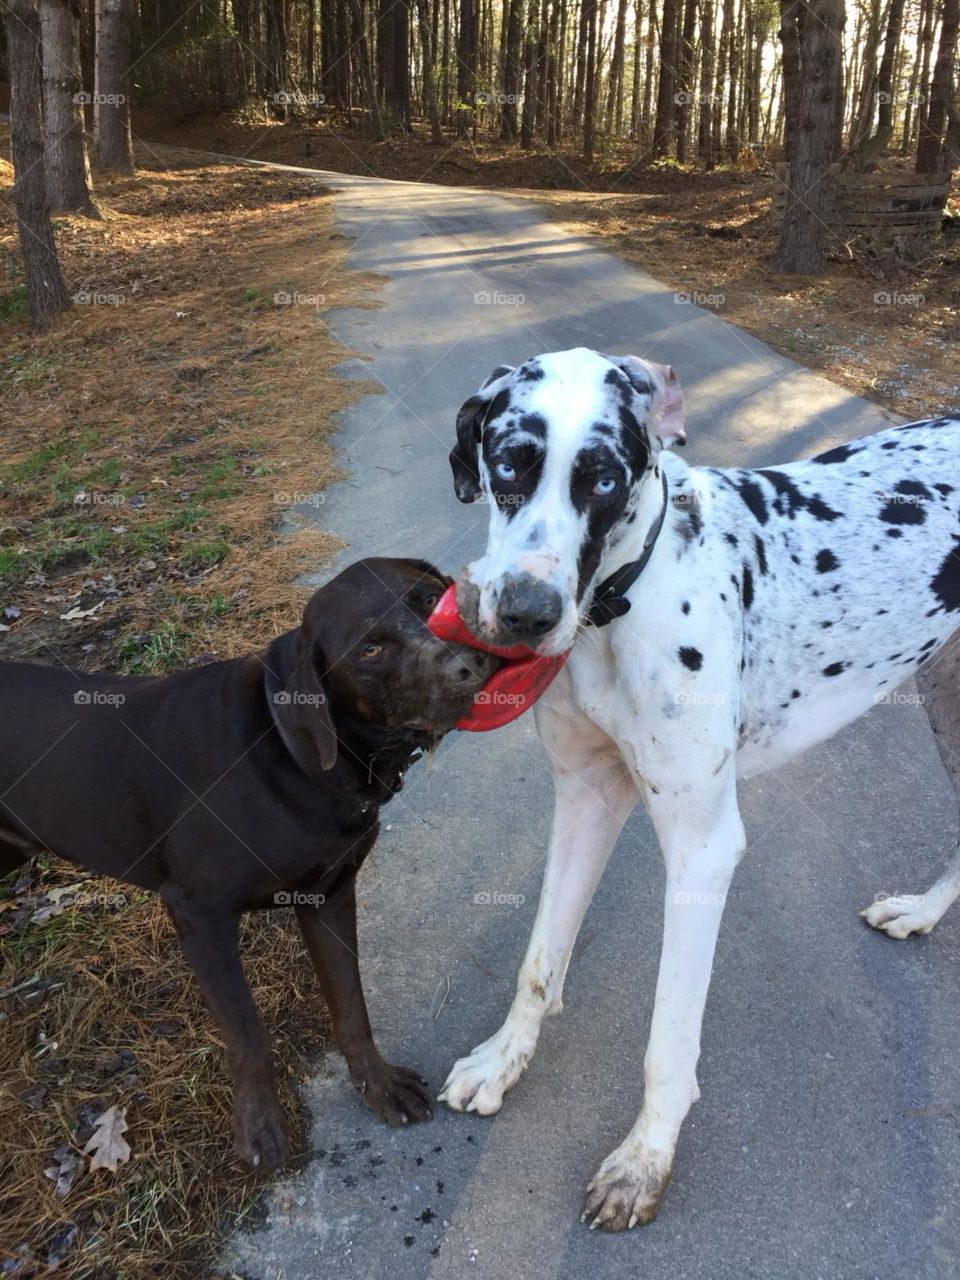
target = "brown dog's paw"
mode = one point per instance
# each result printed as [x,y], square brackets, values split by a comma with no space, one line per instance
[261,1131]
[397,1094]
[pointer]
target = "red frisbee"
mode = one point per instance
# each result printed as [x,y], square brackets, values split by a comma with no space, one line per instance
[510,691]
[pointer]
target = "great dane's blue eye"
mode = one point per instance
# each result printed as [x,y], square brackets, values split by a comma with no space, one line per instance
[505,471]
[605,486]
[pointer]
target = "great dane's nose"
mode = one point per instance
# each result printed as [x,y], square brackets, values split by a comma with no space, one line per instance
[528,608]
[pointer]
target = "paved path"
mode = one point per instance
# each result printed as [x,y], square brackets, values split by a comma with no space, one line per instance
[821,1146]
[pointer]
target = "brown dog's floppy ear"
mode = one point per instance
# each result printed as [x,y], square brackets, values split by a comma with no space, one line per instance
[298,702]
[464,456]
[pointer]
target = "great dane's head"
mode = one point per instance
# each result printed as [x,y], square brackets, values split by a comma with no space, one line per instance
[563,448]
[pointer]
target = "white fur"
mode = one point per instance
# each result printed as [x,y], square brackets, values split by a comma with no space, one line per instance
[628,718]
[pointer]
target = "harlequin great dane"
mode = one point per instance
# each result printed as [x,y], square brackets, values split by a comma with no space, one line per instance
[738,617]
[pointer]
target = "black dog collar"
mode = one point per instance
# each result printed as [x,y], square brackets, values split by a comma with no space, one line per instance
[609,599]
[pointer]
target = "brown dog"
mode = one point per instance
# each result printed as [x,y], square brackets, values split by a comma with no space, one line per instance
[243,785]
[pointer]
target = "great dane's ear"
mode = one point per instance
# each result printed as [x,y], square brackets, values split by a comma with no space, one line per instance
[298,701]
[660,381]
[465,455]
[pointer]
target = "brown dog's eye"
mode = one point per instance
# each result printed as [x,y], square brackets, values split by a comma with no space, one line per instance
[372,651]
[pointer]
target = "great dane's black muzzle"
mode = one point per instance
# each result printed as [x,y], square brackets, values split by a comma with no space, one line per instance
[528,609]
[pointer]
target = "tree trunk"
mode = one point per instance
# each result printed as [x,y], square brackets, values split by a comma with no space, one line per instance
[663,130]
[687,74]
[366,73]
[802,241]
[275,70]
[590,82]
[311,49]
[394,37]
[46,291]
[705,123]
[552,69]
[113,143]
[466,64]
[733,137]
[65,158]
[930,149]
[790,42]
[530,86]
[512,76]
[885,78]
[429,79]
[723,60]
[635,86]
[615,82]
[926,37]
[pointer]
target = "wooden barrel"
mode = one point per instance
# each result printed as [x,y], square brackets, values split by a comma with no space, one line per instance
[878,206]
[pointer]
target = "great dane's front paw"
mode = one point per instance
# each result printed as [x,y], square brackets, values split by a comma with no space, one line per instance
[899,917]
[478,1082]
[626,1190]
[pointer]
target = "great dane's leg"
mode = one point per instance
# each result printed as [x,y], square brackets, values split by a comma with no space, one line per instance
[594,795]
[939,685]
[702,840]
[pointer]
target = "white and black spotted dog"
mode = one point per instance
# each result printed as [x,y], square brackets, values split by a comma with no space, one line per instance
[751,614]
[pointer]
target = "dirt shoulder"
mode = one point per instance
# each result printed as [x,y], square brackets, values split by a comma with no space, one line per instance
[886,327]
[149,444]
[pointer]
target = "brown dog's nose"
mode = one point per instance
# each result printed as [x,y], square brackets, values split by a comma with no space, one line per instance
[528,608]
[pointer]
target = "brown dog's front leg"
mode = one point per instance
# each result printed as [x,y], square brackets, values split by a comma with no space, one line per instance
[210,944]
[397,1094]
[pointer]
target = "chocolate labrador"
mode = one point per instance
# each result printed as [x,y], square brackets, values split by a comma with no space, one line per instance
[243,785]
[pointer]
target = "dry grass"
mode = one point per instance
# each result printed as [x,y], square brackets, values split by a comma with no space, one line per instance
[151,440]
[112,1016]
[147,448]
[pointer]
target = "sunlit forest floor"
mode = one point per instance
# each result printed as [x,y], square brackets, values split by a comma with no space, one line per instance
[885,324]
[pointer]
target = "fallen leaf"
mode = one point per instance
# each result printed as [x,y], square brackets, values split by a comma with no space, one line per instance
[58,900]
[107,1147]
[63,1170]
[72,615]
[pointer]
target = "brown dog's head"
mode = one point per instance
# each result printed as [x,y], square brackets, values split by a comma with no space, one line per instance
[364,651]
